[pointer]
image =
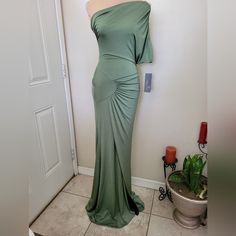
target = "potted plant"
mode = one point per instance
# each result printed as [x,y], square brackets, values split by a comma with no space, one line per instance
[189,191]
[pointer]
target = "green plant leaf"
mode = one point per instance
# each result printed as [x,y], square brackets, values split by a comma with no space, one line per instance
[176,178]
[192,170]
[196,172]
[186,168]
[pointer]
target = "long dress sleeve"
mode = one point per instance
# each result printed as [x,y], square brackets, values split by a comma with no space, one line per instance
[143,44]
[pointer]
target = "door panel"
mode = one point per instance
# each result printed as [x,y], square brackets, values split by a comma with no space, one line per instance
[51,165]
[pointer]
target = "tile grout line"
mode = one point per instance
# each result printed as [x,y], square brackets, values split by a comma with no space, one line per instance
[87,228]
[152,201]
[150,213]
[75,194]
[157,214]
[79,196]
[162,216]
[41,212]
[143,212]
[143,187]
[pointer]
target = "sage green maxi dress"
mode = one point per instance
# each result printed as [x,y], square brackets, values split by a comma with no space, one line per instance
[122,33]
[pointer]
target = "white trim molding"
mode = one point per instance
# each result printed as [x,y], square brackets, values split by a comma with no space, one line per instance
[141,182]
[66,79]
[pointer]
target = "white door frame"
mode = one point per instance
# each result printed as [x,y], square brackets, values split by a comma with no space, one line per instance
[66,83]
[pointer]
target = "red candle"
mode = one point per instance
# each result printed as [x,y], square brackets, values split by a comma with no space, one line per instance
[203,133]
[170,157]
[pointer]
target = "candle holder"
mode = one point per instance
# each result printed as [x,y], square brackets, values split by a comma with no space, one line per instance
[202,146]
[166,192]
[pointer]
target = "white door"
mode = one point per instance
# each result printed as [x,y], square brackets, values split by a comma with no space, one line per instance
[51,164]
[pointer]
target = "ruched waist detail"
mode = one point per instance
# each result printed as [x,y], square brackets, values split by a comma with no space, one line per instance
[114,72]
[114,66]
[115,56]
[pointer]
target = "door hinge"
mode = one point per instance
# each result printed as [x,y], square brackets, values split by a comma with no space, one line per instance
[72,150]
[64,72]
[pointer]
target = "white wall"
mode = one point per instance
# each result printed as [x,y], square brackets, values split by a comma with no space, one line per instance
[15,130]
[172,112]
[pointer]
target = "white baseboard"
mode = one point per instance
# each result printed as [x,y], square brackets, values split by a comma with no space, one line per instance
[147,183]
[86,171]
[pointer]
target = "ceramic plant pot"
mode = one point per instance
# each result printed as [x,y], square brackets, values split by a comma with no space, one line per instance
[187,211]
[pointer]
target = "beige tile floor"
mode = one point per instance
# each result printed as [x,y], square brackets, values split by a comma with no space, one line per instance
[66,215]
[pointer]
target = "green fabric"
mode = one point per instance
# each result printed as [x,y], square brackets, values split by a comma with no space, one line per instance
[122,33]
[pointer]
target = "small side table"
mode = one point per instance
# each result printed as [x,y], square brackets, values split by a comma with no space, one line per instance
[166,192]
